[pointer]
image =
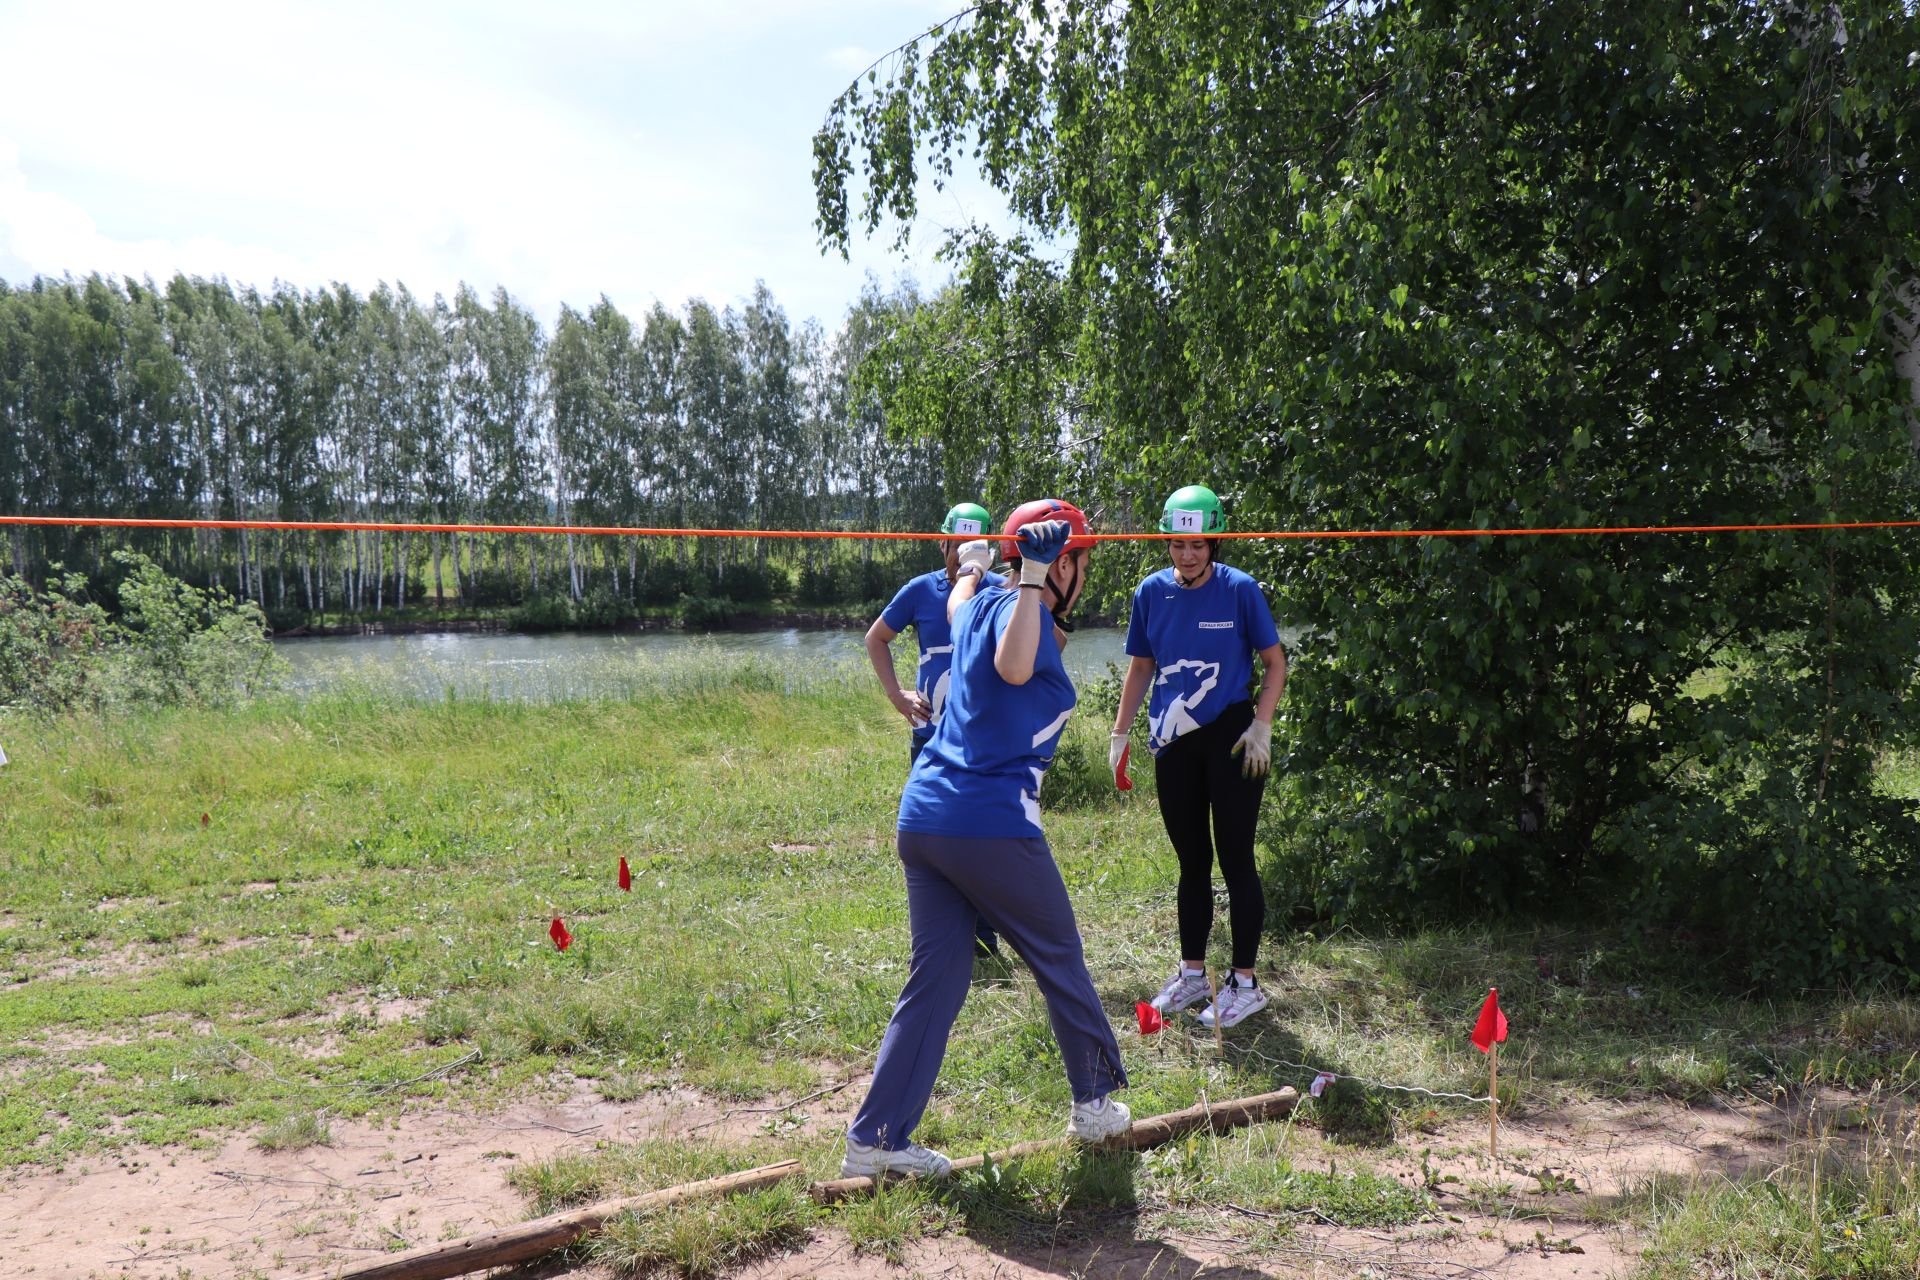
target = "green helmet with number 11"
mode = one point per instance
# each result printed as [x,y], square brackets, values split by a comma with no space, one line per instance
[969,518]
[1194,509]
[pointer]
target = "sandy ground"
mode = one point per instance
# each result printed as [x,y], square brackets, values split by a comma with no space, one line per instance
[239,1212]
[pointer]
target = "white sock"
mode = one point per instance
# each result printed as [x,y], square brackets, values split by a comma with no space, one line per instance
[1192,973]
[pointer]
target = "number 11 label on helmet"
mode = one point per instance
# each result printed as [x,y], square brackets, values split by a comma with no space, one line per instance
[1186,521]
[963,525]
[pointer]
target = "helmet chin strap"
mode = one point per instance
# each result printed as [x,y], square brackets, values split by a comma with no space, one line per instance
[1060,618]
[1185,581]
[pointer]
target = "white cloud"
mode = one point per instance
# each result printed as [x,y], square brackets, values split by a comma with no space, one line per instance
[850,58]
[644,151]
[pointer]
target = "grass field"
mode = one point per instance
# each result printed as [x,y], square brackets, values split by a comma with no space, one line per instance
[256,921]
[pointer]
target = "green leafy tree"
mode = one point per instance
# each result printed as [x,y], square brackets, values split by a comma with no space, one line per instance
[1500,265]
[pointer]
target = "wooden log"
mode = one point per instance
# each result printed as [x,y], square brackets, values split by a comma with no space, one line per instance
[1154,1131]
[527,1240]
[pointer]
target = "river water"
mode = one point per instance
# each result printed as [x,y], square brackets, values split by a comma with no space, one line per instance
[562,666]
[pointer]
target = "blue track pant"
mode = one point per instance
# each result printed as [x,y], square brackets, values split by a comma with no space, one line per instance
[1015,886]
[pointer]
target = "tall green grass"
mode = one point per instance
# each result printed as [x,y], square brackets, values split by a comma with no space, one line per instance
[244,919]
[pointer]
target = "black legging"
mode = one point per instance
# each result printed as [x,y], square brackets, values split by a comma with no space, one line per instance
[1198,777]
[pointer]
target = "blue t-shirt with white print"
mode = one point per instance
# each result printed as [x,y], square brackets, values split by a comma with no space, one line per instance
[980,772]
[1203,640]
[922,605]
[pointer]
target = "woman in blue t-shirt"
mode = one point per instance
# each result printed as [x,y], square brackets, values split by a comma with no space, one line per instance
[922,605]
[971,845]
[1195,630]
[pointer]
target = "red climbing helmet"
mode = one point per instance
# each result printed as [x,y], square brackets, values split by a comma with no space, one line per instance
[1044,509]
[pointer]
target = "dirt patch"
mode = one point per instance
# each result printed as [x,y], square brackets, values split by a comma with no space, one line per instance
[129,960]
[437,1175]
[381,1012]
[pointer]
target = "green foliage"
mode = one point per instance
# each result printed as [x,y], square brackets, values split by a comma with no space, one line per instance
[1850,1220]
[170,643]
[201,399]
[50,642]
[707,1238]
[541,613]
[1397,267]
[295,1132]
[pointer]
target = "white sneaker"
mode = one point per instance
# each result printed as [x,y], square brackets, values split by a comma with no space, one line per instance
[1239,1000]
[1099,1120]
[1182,989]
[910,1161]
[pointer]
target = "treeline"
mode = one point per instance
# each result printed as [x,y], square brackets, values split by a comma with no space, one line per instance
[204,399]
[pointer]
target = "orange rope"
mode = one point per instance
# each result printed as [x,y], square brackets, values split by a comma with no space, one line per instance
[374,526]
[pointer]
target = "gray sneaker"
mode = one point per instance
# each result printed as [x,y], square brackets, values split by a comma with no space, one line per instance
[1096,1121]
[910,1161]
[1182,989]
[1238,1000]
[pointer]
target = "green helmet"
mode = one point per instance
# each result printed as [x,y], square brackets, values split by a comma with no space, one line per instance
[967,518]
[1193,509]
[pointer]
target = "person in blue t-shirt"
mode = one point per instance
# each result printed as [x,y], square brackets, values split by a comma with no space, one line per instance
[922,605]
[1195,630]
[971,845]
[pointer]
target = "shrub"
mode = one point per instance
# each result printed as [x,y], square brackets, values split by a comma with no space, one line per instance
[541,613]
[701,612]
[171,643]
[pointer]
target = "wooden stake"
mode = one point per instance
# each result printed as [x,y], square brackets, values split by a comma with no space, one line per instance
[1493,1107]
[1219,1035]
[1152,1132]
[526,1240]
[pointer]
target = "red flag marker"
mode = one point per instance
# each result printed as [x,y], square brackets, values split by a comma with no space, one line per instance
[1120,778]
[1491,1028]
[1150,1019]
[558,932]
[626,876]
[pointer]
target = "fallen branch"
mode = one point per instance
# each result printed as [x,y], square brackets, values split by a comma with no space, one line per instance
[527,1240]
[1152,1132]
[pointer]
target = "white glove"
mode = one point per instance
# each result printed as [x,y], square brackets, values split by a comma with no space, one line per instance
[1040,545]
[1116,747]
[1257,742]
[978,556]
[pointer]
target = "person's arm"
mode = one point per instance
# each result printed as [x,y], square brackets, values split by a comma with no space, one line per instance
[1133,692]
[1273,681]
[1040,545]
[975,557]
[912,705]
[1257,741]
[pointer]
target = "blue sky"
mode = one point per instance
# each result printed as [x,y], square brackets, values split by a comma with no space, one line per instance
[643,150]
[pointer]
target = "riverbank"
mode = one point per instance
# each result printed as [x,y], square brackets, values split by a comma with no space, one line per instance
[296,924]
[777,620]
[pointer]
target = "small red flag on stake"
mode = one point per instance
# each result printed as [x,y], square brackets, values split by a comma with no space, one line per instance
[558,932]
[1150,1019]
[1120,779]
[1491,1028]
[626,876]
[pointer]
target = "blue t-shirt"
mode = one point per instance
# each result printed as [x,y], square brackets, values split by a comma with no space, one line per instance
[922,605]
[1203,640]
[980,772]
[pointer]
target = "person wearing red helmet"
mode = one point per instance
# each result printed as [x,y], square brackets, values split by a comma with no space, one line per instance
[971,846]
